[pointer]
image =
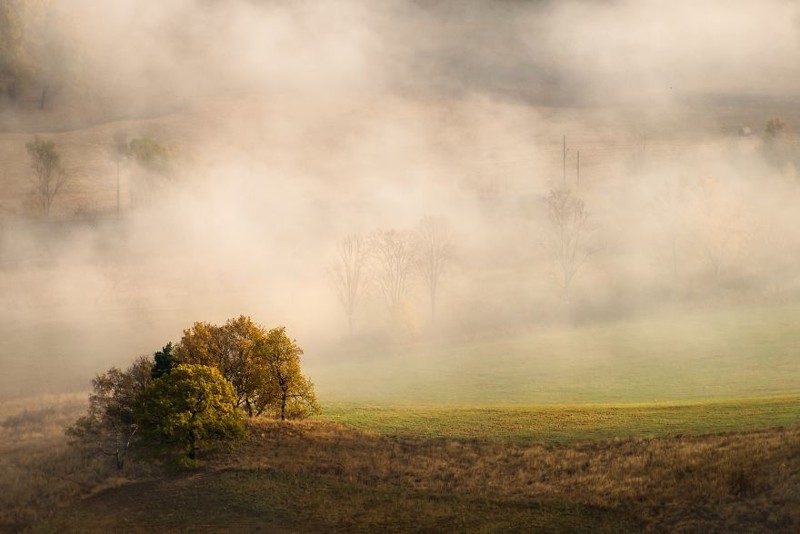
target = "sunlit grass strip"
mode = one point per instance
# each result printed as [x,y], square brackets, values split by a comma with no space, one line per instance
[571,423]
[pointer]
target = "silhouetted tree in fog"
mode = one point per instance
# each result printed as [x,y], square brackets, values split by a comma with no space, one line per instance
[393,257]
[49,176]
[723,226]
[780,146]
[568,222]
[433,255]
[669,208]
[348,273]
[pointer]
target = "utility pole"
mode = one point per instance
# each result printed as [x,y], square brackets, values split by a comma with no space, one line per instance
[118,187]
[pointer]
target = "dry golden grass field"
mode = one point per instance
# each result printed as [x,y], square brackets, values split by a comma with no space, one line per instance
[320,476]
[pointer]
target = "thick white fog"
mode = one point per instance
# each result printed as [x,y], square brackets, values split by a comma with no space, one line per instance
[293,125]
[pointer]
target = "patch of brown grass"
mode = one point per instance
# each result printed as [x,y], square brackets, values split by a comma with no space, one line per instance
[304,475]
[734,481]
[39,472]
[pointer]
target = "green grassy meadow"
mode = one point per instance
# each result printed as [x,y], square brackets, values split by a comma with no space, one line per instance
[675,357]
[694,373]
[566,424]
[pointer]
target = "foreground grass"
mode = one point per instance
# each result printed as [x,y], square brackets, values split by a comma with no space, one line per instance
[322,477]
[568,424]
[543,469]
[249,500]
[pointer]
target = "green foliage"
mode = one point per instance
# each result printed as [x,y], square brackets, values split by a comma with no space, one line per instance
[189,406]
[164,361]
[49,175]
[159,404]
[155,162]
[149,154]
[191,393]
[119,149]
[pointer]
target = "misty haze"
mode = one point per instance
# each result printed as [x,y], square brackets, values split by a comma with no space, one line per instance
[553,246]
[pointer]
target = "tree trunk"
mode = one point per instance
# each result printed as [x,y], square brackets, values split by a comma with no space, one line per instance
[283,406]
[192,445]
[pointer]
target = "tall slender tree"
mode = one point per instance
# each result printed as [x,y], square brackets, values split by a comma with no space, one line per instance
[292,394]
[433,255]
[348,273]
[49,176]
[569,230]
[393,257]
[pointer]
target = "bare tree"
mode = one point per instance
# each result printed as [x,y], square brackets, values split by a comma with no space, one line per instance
[49,175]
[348,273]
[669,207]
[568,220]
[393,257]
[723,226]
[434,255]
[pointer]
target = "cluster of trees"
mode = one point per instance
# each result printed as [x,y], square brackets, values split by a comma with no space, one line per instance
[197,391]
[154,160]
[386,262]
[705,218]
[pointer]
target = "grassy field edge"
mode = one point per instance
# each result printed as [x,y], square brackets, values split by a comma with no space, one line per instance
[569,423]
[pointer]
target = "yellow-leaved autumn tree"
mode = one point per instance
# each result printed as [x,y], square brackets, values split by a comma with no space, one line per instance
[263,367]
[290,393]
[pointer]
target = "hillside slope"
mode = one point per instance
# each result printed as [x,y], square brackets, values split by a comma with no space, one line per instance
[324,477]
